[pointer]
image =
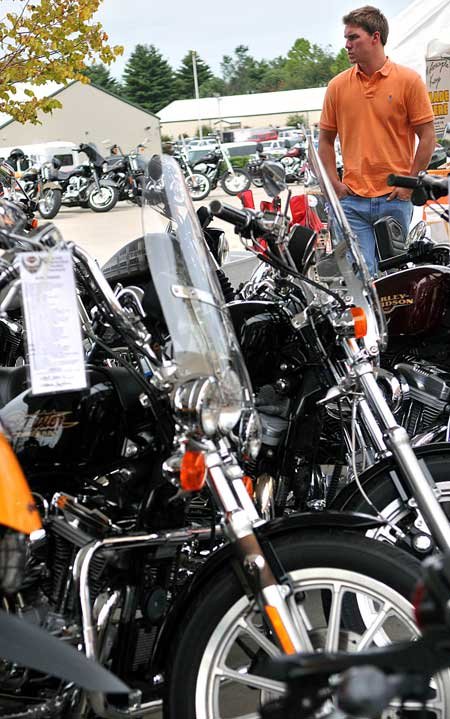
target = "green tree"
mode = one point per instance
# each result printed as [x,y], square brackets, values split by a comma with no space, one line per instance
[48,41]
[296,119]
[308,65]
[148,79]
[184,76]
[242,73]
[100,75]
[340,62]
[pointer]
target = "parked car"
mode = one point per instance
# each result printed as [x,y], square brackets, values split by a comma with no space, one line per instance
[275,148]
[293,136]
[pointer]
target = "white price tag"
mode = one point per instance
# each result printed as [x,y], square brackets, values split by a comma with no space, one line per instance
[55,349]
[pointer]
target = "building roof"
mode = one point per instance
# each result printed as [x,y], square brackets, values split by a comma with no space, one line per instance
[263,103]
[51,89]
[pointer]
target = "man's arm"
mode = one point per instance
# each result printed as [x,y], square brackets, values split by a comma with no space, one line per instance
[425,148]
[328,157]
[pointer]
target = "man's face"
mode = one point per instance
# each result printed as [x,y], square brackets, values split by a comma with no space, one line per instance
[360,45]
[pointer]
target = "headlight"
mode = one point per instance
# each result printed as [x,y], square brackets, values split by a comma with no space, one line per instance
[250,434]
[231,391]
[197,405]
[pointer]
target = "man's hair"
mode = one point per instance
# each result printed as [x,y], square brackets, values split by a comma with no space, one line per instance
[370,19]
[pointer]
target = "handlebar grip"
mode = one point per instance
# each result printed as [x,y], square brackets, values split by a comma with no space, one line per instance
[403,181]
[239,218]
[395,261]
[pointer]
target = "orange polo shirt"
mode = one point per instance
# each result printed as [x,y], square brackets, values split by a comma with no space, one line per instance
[375,118]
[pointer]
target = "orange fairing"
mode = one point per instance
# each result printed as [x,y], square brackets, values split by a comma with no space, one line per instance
[192,471]
[17,508]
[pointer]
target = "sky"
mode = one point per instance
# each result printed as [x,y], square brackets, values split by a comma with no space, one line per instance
[215,28]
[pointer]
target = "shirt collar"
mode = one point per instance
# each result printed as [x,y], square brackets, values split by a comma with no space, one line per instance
[384,70]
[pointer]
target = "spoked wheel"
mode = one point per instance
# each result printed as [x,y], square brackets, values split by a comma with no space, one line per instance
[350,593]
[235,182]
[198,185]
[103,199]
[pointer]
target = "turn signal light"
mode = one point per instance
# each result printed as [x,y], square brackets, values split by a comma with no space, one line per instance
[34,223]
[192,471]
[359,321]
[248,484]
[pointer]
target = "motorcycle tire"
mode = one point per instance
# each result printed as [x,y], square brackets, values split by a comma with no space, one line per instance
[234,183]
[198,185]
[49,203]
[257,181]
[215,657]
[383,494]
[103,200]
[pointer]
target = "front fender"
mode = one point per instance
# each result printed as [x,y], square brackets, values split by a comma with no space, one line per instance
[222,557]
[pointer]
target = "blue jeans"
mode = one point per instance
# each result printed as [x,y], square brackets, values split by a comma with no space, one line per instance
[362,212]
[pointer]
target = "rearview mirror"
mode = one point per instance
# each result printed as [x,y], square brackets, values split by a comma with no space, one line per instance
[273,178]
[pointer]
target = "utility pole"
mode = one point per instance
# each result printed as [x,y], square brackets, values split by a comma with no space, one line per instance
[194,70]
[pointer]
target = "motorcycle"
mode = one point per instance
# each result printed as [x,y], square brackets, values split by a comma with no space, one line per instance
[314,417]
[296,165]
[81,187]
[198,183]
[127,174]
[253,166]
[122,569]
[233,180]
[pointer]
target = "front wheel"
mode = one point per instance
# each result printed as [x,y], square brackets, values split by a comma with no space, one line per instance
[50,203]
[103,199]
[350,593]
[198,185]
[235,182]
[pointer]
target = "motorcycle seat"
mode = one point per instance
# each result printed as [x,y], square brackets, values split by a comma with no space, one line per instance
[13,381]
[69,173]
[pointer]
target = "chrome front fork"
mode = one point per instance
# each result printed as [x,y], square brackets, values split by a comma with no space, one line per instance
[239,520]
[396,439]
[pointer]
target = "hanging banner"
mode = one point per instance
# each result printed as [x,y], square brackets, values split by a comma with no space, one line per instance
[438,84]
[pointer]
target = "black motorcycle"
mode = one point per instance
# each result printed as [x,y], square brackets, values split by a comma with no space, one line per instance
[233,180]
[81,187]
[126,172]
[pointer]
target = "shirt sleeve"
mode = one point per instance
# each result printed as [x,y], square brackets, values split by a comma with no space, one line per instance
[328,116]
[419,105]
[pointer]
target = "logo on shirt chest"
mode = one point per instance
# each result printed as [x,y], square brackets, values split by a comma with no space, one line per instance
[389,98]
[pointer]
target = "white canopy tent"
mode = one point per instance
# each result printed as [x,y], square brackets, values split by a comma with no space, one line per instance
[413,28]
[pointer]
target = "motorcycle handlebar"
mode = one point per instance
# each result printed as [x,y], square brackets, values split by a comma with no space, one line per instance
[240,218]
[432,187]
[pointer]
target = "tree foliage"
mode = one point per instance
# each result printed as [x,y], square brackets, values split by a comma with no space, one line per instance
[184,76]
[47,40]
[99,74]
[148,78]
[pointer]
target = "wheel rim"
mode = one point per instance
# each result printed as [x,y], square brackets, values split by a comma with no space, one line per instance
[102,197]
[197,185]
[397,513]
[236,182]
[47,201]
[226,690]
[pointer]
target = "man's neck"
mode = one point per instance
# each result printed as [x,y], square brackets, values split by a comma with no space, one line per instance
[370,67]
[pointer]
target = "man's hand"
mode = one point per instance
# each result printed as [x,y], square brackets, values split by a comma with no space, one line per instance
[400,193]
[342,190]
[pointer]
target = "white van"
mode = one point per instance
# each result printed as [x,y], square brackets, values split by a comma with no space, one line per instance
[38,153]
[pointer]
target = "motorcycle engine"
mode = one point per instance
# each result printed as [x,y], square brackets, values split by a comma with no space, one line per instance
[419,395]
[74,186]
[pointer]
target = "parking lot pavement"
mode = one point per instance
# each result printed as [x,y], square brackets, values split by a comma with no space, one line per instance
[103,234]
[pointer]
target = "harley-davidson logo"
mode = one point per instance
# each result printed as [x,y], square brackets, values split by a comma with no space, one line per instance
[390,302]
[40,424]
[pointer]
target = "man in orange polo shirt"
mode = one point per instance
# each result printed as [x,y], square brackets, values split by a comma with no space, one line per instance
[376,108]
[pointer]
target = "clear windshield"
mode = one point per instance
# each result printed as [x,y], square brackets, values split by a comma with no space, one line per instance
[203,339]
[352,267]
